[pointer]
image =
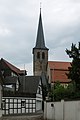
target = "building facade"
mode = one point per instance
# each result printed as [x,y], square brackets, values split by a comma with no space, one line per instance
[27,100]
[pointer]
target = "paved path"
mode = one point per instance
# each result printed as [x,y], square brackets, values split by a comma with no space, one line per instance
[23,117]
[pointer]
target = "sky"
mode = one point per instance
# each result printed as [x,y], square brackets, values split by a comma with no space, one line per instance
[19,23]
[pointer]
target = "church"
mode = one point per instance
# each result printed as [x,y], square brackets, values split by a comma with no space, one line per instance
[54,70]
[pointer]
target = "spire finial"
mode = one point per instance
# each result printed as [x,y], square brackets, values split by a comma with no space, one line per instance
[40,5]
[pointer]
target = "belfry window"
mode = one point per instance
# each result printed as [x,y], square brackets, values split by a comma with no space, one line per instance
[38,55]
[43,55]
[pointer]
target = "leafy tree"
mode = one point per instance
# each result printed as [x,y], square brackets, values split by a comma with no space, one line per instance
[74,70]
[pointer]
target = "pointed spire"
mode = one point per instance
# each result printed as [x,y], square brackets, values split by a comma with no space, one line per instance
[40,43]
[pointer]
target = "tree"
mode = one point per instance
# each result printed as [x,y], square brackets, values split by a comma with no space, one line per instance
[74,70]
[57,92]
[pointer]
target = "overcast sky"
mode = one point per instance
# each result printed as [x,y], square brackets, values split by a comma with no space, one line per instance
[19,23]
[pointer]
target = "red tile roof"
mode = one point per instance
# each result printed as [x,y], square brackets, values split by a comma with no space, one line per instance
[59,70]
[59,65]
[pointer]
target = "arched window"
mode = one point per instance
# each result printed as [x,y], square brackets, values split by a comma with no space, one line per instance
[43,55]
[38,55]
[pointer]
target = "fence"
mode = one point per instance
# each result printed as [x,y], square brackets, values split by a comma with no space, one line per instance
[64,110]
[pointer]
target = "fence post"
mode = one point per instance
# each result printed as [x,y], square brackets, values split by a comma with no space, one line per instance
[45,110]
[63,109]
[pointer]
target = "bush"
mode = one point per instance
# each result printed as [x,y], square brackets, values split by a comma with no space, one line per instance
[59,92]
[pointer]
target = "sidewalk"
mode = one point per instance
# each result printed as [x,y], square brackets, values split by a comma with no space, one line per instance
[36,116]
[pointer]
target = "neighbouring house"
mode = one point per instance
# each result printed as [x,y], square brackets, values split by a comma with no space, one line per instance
[31,87]
[10,84]
[28,84]
[28,99]
[8,69]
[10,74]
[57,72]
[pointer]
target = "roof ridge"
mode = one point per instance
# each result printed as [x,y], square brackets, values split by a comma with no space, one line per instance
[60,61]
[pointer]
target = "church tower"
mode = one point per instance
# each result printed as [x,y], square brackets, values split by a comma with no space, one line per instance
[40,51]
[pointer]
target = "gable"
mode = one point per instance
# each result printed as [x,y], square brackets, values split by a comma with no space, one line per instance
[5,65]
[29,84]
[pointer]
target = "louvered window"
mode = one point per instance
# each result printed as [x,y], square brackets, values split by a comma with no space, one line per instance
[38,55]
[43,55]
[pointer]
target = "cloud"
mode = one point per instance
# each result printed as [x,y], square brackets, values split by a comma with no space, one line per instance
[4,31]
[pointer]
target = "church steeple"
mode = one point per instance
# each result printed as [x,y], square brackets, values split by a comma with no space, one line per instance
[40,42]
[40,51]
